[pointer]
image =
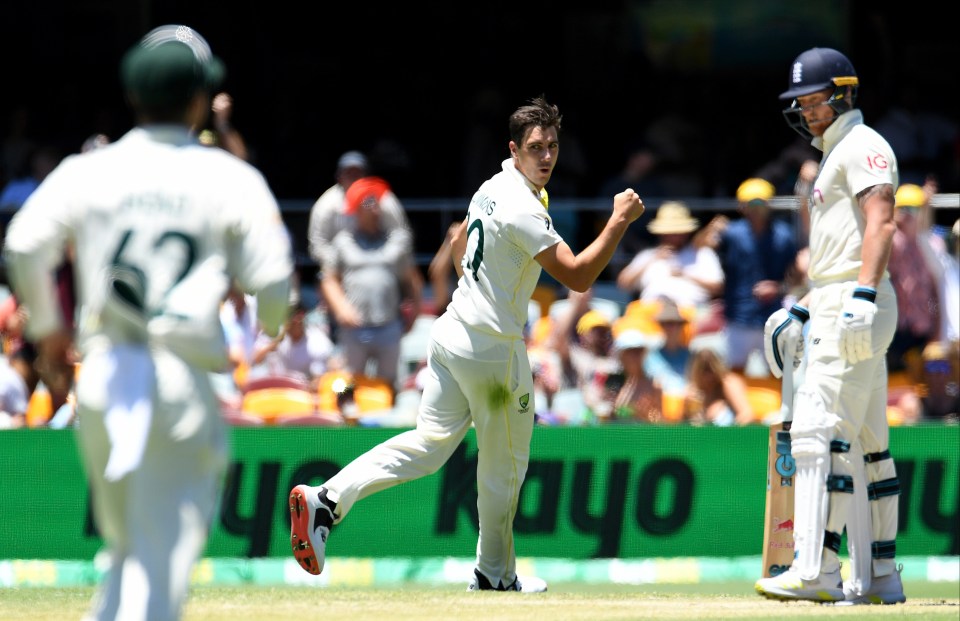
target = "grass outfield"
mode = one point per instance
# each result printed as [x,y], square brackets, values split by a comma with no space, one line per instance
[564,602]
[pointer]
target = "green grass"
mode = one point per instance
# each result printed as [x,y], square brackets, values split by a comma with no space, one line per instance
[564,602]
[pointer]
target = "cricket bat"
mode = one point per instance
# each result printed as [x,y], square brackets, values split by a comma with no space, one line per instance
[778,513]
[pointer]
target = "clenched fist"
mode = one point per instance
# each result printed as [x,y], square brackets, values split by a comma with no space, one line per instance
[628,205]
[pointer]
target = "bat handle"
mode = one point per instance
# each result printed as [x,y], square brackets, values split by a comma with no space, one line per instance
[786,395]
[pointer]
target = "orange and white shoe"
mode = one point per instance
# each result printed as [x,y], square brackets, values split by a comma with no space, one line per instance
[311,518]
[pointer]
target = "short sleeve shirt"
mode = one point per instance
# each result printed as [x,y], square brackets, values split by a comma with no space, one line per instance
[507,227]
[855,157]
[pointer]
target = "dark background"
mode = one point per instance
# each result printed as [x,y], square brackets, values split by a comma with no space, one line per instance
[426,88]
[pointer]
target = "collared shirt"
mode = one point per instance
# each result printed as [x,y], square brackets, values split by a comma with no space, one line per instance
[855,157]
[507,226]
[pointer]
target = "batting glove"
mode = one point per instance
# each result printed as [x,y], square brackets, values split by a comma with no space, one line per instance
[856,323]
[783,338]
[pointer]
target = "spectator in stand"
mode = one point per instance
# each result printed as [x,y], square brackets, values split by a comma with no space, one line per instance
[943,259]
[675,268]
[14,394]
[758,255]
[640,398]
[299,350]
[913,272]
[588,361]
[328,217]
[40,163]
[238,317]
[368,271]
[937,397]
[224,134]
[668,363]
[715,395]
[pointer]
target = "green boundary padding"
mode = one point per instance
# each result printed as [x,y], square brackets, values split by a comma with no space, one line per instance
[382,572]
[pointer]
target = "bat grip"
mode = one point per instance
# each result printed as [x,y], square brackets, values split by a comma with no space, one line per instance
[786,395]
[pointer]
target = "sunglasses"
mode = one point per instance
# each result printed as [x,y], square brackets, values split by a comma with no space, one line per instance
[937,366]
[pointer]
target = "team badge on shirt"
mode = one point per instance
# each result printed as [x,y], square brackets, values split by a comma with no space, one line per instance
[525,403]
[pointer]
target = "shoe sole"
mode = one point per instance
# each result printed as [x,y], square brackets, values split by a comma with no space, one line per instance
[822,597]
[299,531]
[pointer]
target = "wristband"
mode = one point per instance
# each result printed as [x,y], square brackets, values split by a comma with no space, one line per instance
[866,293]
[799,313]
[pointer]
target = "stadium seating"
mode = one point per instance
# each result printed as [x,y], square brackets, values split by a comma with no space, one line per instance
[276,381]
[272,404]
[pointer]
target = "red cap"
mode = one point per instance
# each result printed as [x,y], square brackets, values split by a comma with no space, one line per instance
[361,189]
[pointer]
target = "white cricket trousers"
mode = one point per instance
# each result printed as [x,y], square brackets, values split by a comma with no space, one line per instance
[495,395]
[854,396]
[156,519]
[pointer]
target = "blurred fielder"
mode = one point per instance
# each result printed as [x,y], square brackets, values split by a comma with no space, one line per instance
[840,437]
[478,370]
[160,225]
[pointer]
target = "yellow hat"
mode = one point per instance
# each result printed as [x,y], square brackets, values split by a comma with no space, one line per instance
[755,189]
[910,195]
[592,319]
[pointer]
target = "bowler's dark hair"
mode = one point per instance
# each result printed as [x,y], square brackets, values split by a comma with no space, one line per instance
[538,113]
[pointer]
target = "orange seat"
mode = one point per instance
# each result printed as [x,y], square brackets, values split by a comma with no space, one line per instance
[39,408]
[275,403]
[372,394]
[672,406]
[763,401]
[326,389]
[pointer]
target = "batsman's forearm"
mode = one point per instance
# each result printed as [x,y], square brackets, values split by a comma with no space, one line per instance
[877,241]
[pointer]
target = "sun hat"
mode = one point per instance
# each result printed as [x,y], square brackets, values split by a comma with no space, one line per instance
[362,189]
[669,312]
[755,189]
[910,195]
[636,339]
[592,319]
[673,217]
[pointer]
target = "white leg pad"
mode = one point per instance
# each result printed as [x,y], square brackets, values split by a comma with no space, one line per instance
[859,527]
[810,436]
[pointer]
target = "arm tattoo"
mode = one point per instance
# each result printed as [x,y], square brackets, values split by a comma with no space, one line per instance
[884,189]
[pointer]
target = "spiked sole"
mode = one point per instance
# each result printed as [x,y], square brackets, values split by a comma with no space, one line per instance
[299,532]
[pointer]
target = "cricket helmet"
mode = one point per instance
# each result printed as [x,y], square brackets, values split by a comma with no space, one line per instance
[818,69]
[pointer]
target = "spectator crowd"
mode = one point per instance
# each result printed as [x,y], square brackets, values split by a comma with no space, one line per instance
[676,336]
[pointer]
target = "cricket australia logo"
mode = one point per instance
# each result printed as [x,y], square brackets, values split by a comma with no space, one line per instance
[525,403]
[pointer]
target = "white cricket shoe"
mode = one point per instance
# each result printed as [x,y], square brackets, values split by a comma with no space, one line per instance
[311,518]
[524,584]
[827,587]
[883,590]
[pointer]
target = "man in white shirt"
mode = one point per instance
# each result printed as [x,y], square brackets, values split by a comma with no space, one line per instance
[478,372]
[839,434]
[160,226]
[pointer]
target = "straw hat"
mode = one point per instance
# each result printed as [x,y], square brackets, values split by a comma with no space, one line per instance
[673,217]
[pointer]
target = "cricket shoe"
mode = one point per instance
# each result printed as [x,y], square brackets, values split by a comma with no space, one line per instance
[527,584]
[311,517]
[883,590]
[827,587]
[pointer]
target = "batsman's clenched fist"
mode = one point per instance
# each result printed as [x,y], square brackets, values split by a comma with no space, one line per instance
[856,325]
[783,338]
[628,205]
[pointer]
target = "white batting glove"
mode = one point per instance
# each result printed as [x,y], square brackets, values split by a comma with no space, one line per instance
[783,338]
[856,323]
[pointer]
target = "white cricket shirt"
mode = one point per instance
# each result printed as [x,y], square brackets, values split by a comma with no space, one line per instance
[188,216]
[855,157]
[507,227]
